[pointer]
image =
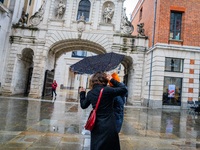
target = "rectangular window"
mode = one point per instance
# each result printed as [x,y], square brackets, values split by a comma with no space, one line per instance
[2,1]
[175,26]
[80,54]
[174,64]
[141,13]
[172,90]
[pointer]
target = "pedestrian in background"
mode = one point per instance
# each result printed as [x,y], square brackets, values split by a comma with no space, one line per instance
[104,135]
[54,86]
[119,102]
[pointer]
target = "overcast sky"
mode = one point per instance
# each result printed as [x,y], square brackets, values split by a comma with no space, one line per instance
[130,5]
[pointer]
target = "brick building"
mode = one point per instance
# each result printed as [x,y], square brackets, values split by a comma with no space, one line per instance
[174,51]
[186,13]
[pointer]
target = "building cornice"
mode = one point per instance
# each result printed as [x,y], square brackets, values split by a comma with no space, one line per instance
[174,47]
[3,8]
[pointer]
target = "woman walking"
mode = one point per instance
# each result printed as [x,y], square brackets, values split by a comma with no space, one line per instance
[104,135]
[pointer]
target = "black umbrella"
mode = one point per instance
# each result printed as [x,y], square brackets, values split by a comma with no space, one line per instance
[92,64]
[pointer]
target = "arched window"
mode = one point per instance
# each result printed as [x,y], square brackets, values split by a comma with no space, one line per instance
[84,9]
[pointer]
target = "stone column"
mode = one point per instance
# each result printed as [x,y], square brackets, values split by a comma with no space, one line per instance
[37,80]
[96,18]
[68,11]
[9,75]
[130,85]
[118,18]
[81,81]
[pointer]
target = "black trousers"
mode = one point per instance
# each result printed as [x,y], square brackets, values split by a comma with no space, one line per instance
[53,91]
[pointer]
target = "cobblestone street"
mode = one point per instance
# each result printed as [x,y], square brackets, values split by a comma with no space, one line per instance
[57,124]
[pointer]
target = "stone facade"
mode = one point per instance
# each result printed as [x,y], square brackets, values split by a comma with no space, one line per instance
[186,48]
[49,37]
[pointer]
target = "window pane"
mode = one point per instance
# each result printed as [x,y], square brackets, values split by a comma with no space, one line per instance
[84,9]
[172,27]
[171,35]
[174,64]
[172,91]
[167,64]
[177,37]
[81,54]
[178,24]
[175,25]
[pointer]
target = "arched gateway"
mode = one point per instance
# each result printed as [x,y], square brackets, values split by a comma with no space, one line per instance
[55,31]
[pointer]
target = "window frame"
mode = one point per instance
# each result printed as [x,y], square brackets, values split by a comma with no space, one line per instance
[141,11]
[179,66]
[171,77]
[175,21]
[77,12]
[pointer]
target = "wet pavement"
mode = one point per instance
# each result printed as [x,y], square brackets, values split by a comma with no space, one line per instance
[58,124]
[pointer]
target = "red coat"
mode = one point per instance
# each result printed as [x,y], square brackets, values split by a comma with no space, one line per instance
[54,85]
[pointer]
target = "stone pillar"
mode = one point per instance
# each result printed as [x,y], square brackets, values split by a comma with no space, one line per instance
[96,18]
[81,81]
[138,77]
[118,18]
[130,85]
[66,77]
[37,80]
[9,75]
[68,11]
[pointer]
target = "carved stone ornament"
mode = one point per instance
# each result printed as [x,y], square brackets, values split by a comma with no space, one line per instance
[108,14]
[140,29]
[38,16]
[127,27]
[60,9]
[23,19]
[81,26]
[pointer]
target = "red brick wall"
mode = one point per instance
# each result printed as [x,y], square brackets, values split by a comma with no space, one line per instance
[136,7]
[147,18]
[190,33]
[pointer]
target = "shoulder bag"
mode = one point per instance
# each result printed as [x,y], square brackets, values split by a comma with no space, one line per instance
[92,117]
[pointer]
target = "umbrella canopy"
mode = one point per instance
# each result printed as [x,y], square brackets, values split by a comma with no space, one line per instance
[92,64]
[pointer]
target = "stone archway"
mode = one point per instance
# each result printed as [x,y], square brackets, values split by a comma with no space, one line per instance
[64,46]
[23,72]
[61,47]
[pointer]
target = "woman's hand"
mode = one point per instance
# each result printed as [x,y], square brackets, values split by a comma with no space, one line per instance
[109,77]
[81,89]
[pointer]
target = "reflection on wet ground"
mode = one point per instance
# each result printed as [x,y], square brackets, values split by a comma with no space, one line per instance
[58,124]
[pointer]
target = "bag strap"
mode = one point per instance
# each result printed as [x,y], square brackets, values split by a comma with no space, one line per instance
[99,99]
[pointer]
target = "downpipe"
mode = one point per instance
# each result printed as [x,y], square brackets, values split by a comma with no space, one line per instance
[154,22]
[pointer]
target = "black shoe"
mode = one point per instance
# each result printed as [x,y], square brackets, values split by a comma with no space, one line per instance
[51,96]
